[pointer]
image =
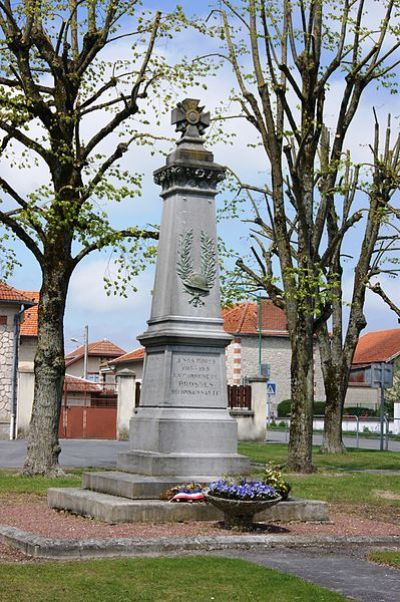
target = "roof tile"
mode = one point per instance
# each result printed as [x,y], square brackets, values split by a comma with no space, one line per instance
[378,346]
[10,294]
[244,319]
[76,384]
[29,326]
[104,348]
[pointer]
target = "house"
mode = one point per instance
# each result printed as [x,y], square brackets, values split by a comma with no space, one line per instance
[99,353]
[13,305]
[261,345]
[381,346]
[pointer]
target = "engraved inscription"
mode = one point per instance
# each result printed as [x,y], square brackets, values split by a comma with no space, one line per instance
[195,376]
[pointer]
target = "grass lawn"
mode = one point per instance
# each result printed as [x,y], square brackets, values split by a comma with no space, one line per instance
[336,482]
[355,459]
[390,558]
[376,490]
[196,578]
[13,483]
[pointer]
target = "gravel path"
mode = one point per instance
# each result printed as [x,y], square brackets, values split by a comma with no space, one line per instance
[336,570]
[33,515]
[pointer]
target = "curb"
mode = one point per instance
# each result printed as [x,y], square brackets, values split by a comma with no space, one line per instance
[70,549]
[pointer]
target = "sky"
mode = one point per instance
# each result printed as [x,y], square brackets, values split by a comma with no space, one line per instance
[120,319]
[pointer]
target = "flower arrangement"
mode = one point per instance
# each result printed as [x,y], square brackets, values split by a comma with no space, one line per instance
[242,490]
[186,492]
[273,477]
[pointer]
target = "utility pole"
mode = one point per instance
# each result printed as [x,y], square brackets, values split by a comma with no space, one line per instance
[85,351]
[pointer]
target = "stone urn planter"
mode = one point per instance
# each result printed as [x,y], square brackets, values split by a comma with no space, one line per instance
[239,514]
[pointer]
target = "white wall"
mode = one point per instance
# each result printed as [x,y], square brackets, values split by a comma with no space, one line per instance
[6,366]
[26,382]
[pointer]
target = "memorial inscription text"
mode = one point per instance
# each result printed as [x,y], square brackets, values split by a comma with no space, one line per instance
[195,376]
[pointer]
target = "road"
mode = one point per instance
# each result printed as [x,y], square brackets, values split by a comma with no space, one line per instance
[75,453]
[283,437]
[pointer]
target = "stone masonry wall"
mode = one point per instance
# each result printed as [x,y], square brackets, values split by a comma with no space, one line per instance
[242,362]
[6,358]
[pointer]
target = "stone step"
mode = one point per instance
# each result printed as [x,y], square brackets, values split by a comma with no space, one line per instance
[164,464]
[133,486]
[114,509]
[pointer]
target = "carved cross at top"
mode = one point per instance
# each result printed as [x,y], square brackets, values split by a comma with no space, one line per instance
[190,118]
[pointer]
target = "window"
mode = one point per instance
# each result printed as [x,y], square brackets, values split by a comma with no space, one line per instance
[94,377]
[3,320]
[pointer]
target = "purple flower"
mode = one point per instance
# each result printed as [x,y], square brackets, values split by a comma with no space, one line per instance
[242,490]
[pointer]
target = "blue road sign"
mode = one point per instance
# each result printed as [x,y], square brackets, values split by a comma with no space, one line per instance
[271,388]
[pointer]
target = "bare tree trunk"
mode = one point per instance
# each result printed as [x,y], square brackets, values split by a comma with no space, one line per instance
[335,395]
[302,391]
[43,445]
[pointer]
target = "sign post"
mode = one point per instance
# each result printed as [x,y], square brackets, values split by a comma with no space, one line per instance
[381,376]
[271,391]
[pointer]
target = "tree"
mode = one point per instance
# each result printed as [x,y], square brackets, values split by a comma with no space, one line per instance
[379,242]
[284,56]
[75,115]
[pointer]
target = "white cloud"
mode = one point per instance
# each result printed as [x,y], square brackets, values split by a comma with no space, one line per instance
[87,290]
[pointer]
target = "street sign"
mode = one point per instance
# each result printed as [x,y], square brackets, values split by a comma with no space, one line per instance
[265,370]
[271,388]
[380,375]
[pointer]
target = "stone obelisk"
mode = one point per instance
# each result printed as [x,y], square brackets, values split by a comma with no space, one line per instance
[182,426]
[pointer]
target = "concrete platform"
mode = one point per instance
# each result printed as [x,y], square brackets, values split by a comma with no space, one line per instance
[116,509]
[134,486]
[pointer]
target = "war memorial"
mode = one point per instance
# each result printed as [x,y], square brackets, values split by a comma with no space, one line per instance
[182,430]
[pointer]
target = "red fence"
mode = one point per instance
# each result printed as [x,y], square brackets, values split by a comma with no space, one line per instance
[80,422]
[239,396]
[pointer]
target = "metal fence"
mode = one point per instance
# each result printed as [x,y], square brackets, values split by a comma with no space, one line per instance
[360,427]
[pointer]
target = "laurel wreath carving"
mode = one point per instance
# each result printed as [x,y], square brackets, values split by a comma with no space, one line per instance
[197,284]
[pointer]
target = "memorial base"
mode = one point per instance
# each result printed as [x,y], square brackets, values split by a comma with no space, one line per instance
[106,505]
[211,466]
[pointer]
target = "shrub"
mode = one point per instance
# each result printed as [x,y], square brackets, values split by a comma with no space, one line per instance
[359,412]
[284,408]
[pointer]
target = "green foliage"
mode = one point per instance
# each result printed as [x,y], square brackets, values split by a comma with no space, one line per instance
[392,395]
[285,408]
[273,476]
[74,113]
[358,411]
[8,257]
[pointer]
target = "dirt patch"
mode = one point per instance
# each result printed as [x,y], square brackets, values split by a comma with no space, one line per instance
[386,495]
[387,513]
